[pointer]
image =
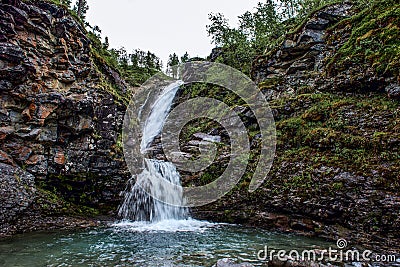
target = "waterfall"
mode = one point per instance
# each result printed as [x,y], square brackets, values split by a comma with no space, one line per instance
[138,205]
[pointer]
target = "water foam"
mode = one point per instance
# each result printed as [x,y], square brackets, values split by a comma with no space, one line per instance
[146,198]
[171,225]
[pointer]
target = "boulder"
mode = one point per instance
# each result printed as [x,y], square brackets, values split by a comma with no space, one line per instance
[17,192]
[393,90]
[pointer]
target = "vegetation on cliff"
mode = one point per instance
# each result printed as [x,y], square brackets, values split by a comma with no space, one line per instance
[374,40]
[375,35]
[328,78]
[323,65]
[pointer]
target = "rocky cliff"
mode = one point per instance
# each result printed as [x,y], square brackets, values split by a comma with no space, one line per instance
[337,167]
[61,112]
[335,103]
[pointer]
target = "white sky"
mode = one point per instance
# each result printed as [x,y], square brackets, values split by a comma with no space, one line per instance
[162,26]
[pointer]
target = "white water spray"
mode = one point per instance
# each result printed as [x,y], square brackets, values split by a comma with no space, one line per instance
[139,205]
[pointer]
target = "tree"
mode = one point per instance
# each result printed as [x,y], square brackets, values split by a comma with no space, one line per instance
[218,29]
[81,7]
[106,43]
[173,60]
[263,26]
[256,31]
[185,58]
[236,48]
[123,58]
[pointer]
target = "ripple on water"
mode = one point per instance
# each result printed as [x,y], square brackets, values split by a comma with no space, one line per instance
[166,243]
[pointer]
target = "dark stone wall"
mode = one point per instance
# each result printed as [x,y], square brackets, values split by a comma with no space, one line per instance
[60,124]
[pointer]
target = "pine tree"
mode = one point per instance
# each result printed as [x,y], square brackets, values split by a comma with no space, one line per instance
[81,7]
[185,58]
[106,43]
[173,61]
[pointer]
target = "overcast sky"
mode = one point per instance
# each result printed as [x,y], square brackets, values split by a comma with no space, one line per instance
[162,26]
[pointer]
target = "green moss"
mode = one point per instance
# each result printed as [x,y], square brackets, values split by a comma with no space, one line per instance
[375,39]
[327,131]
[269,83]
[71,195]
[52,203]
[303,181]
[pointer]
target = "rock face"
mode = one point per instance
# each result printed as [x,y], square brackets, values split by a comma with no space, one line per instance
[60,123]
[18,188]
[301,64]
[337,165]
[298,65]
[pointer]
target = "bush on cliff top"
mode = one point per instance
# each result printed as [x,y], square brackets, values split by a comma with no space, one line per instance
[375,32]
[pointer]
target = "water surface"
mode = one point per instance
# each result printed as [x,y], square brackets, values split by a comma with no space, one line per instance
[167,243]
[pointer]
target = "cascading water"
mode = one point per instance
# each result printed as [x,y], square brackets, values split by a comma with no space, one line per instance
[139,205]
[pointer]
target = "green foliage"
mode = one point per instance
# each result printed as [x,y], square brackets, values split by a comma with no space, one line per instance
[185,58]
[375,39]
[173,60]
[375,32]
[138,66]
[324,126]
[257,31]
[67,3]
[135,68]
[81,7]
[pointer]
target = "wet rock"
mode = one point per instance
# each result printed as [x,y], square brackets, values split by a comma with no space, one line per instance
[5,158]
[16,73]
[299,61]
[230,263]
[393,91]
[54,10]
[310,37]
[207,137]
[11,53]
[334,13]
[17,192]
[31,135]
[317,23]
[59,157]
[6,131]
[7,25]
[20,16]
[39,16]
[300,66]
